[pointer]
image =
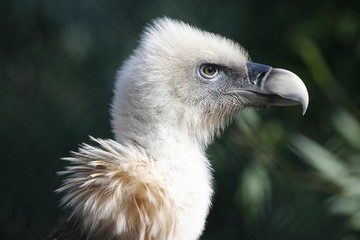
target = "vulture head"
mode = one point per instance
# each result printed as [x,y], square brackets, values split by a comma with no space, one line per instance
[185,78]
[177,91]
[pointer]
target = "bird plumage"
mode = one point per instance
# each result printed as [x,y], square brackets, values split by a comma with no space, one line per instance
[154,181]
[117,190]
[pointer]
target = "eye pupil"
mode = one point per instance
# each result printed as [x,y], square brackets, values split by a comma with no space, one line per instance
[208,70]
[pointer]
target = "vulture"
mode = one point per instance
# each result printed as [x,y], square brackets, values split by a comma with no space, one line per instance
[174,94]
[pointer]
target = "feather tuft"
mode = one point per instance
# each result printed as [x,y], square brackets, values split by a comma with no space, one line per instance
[117,191]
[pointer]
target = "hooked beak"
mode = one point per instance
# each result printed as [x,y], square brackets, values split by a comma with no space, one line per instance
[276,86]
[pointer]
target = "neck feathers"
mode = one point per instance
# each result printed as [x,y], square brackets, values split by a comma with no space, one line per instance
[120,201]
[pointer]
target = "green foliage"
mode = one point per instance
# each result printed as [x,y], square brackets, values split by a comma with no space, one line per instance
[278,175]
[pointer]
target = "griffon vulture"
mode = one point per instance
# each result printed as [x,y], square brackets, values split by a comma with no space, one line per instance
[177,91]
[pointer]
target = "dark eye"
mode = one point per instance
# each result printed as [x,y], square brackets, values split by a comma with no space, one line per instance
[208,70]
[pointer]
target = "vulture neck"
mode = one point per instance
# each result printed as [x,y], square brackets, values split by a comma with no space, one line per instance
[177,152]
[171,138]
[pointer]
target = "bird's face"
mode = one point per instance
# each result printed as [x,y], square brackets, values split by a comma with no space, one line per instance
[214,74]
[185,75]
[249,84]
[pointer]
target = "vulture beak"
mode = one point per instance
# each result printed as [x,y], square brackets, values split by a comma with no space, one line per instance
[276,86]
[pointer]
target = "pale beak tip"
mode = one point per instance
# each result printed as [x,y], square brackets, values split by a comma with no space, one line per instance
[304,108]
[305,101]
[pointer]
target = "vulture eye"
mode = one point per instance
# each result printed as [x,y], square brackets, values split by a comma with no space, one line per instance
[208,71]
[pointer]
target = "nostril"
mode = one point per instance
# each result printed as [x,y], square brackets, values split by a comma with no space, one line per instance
[261,76]
[257,72]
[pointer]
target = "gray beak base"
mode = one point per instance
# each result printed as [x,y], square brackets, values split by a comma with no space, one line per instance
[276,86]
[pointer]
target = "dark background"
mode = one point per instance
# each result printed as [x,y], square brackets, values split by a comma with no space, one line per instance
[278,175]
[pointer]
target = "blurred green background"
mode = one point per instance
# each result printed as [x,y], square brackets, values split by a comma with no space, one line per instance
[278,175]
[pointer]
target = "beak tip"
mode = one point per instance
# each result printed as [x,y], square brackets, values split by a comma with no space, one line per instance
[304,108]
[305,102]
[292,88]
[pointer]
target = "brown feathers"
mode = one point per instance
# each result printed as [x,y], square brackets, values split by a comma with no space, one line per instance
[117,193]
